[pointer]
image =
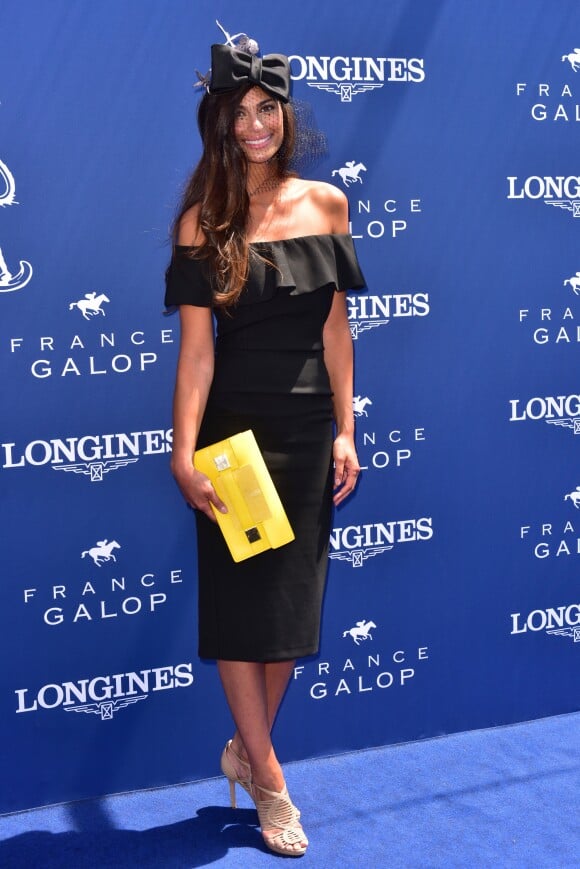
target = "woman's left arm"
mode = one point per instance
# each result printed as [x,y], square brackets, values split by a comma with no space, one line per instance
[338,357]
[338,354]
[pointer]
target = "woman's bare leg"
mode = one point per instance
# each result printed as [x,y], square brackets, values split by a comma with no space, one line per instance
[277,676]
[254,692]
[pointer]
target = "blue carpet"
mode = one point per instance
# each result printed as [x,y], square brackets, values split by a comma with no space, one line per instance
[506,797]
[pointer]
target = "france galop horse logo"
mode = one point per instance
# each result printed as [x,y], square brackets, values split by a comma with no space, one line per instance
[574,497]
[11,281]
[574,282]
[350,172]
[573,59]
[91,305]
[361,631]
[359,403]
[103,551]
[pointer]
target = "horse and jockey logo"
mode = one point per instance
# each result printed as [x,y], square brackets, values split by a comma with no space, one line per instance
[102,551]
[574,497]
[350,172]
[359,403]
[573,59]
[360,632]
[11,281]
[574,282]
[91,305]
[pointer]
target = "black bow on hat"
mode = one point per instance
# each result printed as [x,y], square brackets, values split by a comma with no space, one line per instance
[231,68]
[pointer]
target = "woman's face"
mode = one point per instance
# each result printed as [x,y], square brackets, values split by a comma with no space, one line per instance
[259,125]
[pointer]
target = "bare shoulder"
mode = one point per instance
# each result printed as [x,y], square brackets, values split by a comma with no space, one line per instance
[328,202]
[189,231]
[331,202]
[327,194]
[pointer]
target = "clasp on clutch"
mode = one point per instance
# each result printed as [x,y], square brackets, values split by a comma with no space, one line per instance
[221,462]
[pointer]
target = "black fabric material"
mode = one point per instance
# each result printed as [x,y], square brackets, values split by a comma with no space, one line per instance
[270,377]
[271,340]
[299,265]
[268,608]
[231,68]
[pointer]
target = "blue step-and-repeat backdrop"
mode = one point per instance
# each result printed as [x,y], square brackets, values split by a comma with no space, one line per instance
[453,599]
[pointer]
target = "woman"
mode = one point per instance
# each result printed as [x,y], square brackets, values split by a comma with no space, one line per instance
[268,254]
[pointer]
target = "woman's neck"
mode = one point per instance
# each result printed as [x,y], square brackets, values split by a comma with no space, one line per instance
[262,177]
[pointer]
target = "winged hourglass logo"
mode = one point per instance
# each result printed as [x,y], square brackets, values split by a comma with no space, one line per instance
[105,708]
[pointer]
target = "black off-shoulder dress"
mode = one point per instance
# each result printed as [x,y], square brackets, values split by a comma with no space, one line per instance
[270,376]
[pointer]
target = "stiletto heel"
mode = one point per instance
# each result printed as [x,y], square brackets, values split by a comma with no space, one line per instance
[231,774]
[232,793]
[278,813]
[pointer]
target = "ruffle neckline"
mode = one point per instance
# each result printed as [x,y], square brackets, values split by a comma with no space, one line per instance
[294,238]
[301,264]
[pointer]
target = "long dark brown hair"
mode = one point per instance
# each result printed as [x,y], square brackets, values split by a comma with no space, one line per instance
[218,187]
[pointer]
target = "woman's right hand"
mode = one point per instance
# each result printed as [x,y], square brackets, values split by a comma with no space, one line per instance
[198,490]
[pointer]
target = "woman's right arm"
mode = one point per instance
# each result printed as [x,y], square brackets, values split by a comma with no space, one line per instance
[193,380]
[195,367]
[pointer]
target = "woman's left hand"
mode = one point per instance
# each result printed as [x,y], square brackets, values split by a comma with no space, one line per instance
[346,467]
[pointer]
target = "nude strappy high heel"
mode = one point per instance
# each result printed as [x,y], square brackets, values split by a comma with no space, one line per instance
[278,813]
[231,774]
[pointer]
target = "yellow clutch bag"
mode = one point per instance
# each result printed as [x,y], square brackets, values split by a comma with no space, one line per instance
[255,520]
